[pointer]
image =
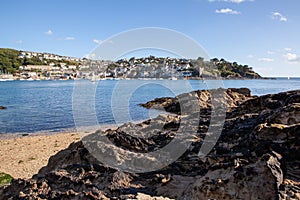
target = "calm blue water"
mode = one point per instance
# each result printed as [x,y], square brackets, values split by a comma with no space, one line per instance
[34,106]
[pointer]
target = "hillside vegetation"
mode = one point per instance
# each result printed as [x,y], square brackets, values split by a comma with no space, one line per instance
[10,61]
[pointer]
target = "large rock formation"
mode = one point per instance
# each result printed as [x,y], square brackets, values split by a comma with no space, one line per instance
[256,156]
[232,97]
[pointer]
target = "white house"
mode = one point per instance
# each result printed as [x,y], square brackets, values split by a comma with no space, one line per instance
[72,67]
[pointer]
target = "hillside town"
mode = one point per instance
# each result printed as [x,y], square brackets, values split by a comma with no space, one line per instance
[45,66]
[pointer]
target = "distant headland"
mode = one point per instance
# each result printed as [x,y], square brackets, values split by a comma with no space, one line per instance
[26,65]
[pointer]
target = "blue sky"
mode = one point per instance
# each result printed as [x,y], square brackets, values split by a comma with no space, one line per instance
[261,33]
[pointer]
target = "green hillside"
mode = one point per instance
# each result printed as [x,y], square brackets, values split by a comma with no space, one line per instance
[10,61]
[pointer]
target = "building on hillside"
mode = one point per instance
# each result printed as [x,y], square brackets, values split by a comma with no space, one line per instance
[35,67]
[72,67]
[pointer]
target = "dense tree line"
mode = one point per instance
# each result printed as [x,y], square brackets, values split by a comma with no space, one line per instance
[223,68]
[10,61]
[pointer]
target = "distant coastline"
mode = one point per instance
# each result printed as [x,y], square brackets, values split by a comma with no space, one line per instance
[26,65]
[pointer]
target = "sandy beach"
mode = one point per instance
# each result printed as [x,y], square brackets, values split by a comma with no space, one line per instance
[23,156]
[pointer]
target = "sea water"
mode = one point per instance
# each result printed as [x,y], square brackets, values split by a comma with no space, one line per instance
[34,106]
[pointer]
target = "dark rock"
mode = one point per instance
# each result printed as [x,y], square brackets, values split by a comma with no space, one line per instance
[2,108]
[257,156]
[231,97]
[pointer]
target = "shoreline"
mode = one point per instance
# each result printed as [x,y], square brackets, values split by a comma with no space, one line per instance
[159,79]
[22,155]
[249,144]
[7,136]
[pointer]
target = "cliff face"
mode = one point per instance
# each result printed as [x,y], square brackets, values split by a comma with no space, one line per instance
[256,156]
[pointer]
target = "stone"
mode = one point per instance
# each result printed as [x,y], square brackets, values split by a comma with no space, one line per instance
[257,155]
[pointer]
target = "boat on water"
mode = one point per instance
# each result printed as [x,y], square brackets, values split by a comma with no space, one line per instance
[6,79]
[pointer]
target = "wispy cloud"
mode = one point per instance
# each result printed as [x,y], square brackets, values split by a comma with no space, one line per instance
[292,57]
[19,41]
[102,41]
[69,38]
[230,1]
[97,41]
[270,52]
[228,11]
[266,59]
[287,49]
[279,16]
[250,56]
[49,32]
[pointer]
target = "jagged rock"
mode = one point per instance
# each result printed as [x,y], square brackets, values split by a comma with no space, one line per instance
[2,108]
[244,182]
[231,97]
[76,153]
[256,156]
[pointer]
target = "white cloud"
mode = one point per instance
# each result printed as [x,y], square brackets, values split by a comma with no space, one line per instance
[270,52]
[102,41]
[231,1]
[227,11]
[250,56]
[49,32]
[69,38]
[236,1]
[279,16]
[97,41]
[287,49]
[19,42]
[292,57]
[266,59]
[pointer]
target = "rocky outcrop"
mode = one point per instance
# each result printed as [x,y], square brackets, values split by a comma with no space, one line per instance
[2,107]
[231,97]
[256,156]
